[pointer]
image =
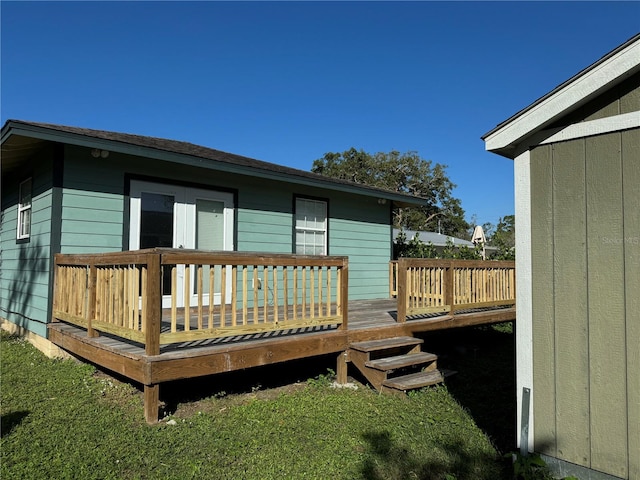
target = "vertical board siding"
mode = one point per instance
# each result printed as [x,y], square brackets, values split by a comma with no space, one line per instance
[543,325]
[631,200]
[585,247]
[571,328]
[630,102]
[607,355]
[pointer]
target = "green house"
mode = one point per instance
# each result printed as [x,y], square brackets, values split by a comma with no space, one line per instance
[576,155]
[76,190]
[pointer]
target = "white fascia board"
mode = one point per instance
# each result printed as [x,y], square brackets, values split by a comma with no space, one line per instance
[607,72]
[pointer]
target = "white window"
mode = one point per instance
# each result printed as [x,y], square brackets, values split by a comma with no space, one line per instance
[24,210]
[311,227]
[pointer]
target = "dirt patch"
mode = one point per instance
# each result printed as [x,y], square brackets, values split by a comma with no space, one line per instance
[221,402]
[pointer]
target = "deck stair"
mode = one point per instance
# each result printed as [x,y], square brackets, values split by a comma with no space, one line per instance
[397,364]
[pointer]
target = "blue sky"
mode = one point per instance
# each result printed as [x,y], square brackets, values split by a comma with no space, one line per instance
[286,82]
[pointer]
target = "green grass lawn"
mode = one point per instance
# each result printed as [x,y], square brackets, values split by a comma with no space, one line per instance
[63,419]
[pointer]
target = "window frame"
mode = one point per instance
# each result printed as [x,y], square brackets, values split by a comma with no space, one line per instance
[297,229]
[24,207]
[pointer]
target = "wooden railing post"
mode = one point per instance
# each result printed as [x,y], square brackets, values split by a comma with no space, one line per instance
[91,300]
[448,285]
[153,304]
[56,287]
[402,297]
[393,278]
[344,292]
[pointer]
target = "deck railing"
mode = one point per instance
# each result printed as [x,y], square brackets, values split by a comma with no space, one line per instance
[446,286]
[205,294]
[393,278]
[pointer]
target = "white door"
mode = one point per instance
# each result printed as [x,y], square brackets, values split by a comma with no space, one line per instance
[174,216]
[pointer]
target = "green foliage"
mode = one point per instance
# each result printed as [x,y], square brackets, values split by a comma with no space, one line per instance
[529,467]
[405,173]
[323,380]
[416,248]
[503,236]
[63,420]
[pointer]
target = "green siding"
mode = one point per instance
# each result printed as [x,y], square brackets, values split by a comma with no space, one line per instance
[92,203]
[607,365]
[631,199]
[360,229]
[570,270]
[93,218]
[544,405]
[630,101]
[25,265]
[585,244]
[94,211]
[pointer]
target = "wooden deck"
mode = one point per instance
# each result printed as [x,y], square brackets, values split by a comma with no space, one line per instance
[98,315]
[368,320]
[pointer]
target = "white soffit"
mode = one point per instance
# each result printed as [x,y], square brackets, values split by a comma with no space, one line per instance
[539,115]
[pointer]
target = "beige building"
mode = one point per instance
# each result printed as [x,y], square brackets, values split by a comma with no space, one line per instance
[576,155]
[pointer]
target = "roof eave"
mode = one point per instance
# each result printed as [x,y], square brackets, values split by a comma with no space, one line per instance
[610,70]
[43,133]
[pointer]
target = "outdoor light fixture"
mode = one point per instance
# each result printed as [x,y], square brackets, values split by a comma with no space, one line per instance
[96,153]
[382,201]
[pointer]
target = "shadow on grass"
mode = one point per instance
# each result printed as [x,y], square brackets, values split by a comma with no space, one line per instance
[11,420]
[182,392]
[484,358]
[386,461]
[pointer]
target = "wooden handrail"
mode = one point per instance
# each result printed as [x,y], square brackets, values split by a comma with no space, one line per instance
[121,293]
[446,286]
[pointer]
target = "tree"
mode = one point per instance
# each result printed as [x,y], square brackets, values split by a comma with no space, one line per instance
[405,173]
[502,236]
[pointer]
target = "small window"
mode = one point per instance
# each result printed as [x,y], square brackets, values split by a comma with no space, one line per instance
[311,227]
[24,210]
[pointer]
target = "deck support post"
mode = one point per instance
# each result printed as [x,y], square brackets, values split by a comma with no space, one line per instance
[341,367]
[151,403]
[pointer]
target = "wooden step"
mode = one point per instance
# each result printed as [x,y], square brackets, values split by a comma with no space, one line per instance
[385,344]
[401,361]
[414,380]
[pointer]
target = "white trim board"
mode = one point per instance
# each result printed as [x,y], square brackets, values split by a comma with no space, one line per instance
[613,69]
[524,302]
[588,129]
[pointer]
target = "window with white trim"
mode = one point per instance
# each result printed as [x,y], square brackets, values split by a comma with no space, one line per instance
[24,210]
[311,227]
